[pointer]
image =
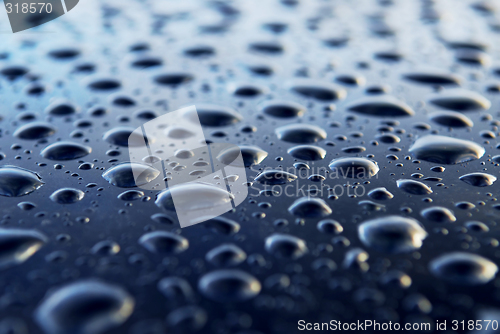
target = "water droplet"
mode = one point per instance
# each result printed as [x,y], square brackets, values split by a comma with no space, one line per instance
[269,48]
[84,307]
[382,106]
[248,91]
[475,226]
[17,246]
[319,90]
[229,285]
[16,181]
[176,289]
[173,79]
[131,195]
[273,177]
[460,100]
[286,246]
[478,179]
[350,80]
[392,234]
[446,150]
[35,130]
[164,242]
[283,109]
[226,255]
[214,115]
[388,138]
[358,168]
[222,225]
[252,155]
[67,196]
[61,108]
[106,247]
[145,62]
[122,175]
[300,133]
[192,197]
[451,119]
[463,268]
[186,319]
[433,78]
[125,136]
[414,187]
[64,53]
[26,206]
[329,226]
[105,84]
[438,214]
[380,194]
[307,207]
[307,152]
[13,72]
[65,150]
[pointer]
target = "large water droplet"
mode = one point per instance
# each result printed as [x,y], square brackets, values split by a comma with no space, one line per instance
[61,108]
[252,155]
[67,196]
[451,119]
[380,193]
[382,106]
[286,246]
[478,179]
[446,150]
[65,150]
[229,286]
[164,242]
[300,133]
[104,84]
[414,187]
[357,168]
[131,195]
[35,130]
[438,214]
[307,207]
[226,255]
[319,90]
[433,78]
[463,268]
[125,136]
[122,175]
[307,152]
[392,234]
[283,109]
[176,289]
[460,100]
[173,79]
[17,246]
[16,181]
[192,197]
[222,225]
[214,115]
[84,307]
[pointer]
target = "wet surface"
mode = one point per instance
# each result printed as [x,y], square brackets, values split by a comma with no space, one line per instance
[369,135]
